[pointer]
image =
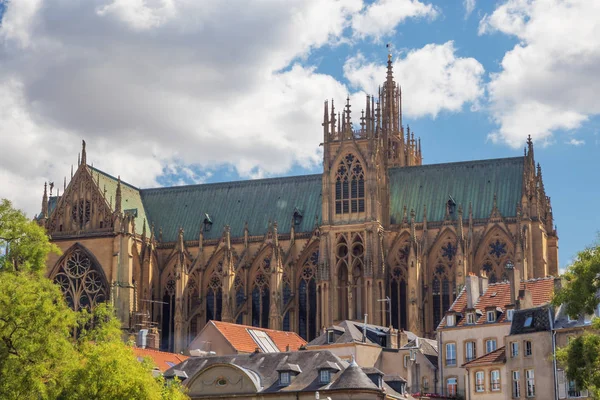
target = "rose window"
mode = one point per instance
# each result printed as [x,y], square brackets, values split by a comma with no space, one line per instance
[81,281]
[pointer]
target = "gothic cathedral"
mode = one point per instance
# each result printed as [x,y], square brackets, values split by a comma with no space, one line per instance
[376,234]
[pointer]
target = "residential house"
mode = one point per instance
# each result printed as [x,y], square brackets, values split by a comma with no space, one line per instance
[395,352]
[223,338]
[161,359]
[478,321]
[299,375]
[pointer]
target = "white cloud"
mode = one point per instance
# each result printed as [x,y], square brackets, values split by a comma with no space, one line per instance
[549,81]
[382,16]
[433,79]
[576,142]
[469,7]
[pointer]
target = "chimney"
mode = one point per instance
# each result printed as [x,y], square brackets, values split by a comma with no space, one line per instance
[402,338]
[153,339]
[483,284]
[557,284]
[472,288]
[287,347]
[393,338]
[514,277]
[525,299]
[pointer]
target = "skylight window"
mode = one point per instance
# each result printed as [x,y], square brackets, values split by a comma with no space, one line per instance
[528,321]
[263,341]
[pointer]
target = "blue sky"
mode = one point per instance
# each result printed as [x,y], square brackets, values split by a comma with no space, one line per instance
[174,91]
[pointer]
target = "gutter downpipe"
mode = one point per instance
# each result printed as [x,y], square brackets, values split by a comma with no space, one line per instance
[555,372]
[440,363]
[467,389]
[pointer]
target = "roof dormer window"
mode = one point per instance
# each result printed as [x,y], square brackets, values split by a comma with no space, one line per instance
[471,318]
[491,316]
[330,336]
[509,314]
[207,223]
[284,378]
[324,376]
[451,320]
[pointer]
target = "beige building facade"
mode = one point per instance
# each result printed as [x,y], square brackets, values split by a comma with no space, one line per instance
[300,253]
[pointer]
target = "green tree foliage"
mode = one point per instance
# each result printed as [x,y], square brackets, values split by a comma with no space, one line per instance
[36,350]
[48,351]
[581,357]
[24,245]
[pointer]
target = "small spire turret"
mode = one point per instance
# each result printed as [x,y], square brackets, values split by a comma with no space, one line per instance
[83,153]
[118,196]
[45,201]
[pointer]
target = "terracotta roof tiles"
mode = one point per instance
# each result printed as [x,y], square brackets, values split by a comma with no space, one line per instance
[495,357]
[242,341]
[161,359]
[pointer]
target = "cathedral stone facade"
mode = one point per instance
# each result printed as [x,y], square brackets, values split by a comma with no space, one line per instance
[377,234]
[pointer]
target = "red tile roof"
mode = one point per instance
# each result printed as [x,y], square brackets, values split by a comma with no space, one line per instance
[241,340]
[160,358]
[497,356]
[498,295]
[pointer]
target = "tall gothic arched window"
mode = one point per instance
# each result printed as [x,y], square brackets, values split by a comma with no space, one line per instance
[349,186]
[260,295]
[81,281]
[193,302]
[443,285]
[358,281]
[287,296]
[341,256]
[240,298]
[168,313]
[307,298]
[398,281]
[214,298]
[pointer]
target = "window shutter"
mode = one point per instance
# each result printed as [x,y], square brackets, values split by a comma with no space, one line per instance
[562,384]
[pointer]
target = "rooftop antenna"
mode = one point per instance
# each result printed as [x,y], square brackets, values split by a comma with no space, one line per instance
[389,307]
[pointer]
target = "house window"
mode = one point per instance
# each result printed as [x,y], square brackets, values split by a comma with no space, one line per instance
[425,383]
[529,375]
[490,345]
[495,380]
[471,318]
[491,316]
[528,321]
[450,320]
[479,381]
[528,348]
[324,376]
[514,349]
[406,358]
[509,314]
[575,392]
[451,386]
[284,378]
[451,354]
[330,336]
[470,351]
[516,385]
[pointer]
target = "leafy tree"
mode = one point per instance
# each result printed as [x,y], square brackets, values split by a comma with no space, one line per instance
[24,245]
[581,357]
[48,351]
[36,349]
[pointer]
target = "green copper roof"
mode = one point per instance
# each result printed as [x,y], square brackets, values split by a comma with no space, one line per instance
[131,200]
[473,182]
[234,203]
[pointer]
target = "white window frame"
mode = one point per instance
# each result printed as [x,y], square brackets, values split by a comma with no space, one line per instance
[454,385]
[284,378]
[509,314]
[406,359]
[514,349]
[450,320]
[470,347]
[480,381]
[324,376]
[471,318]
[495,380]
[516,385]
[487,345]
[530,382]
[452,352]
[330,336]
[491,316]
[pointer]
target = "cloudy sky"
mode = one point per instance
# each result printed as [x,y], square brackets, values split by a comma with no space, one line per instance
[185,91]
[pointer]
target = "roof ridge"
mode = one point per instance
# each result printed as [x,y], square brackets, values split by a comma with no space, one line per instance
[231,183]
[458,163]
[113,178]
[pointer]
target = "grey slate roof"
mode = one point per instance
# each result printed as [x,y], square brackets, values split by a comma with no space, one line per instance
[562,320]
[541,320]
[350,331]
[266,366]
